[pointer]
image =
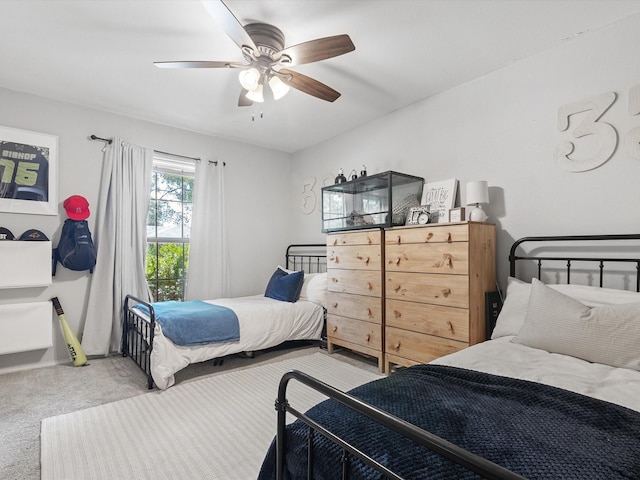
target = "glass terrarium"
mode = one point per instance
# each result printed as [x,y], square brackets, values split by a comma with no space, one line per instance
[374,201]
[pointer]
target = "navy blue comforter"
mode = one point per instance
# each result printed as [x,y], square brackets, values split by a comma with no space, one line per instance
[537,431]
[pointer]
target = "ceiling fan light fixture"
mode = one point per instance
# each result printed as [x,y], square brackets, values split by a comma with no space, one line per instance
[256,95]
[278,87]
[249,78]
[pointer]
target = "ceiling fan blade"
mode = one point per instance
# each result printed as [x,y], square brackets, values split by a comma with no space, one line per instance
[230,24]
[243,101]
[308,85]
[316,50]
[199,64]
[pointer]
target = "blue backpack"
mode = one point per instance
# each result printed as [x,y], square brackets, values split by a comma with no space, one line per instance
[75,250]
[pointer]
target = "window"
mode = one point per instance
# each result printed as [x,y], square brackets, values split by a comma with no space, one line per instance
[168,227]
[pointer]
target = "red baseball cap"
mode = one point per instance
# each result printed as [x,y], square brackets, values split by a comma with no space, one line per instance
[77,207]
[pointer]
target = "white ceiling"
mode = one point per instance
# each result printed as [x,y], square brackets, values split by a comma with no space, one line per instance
[100,54]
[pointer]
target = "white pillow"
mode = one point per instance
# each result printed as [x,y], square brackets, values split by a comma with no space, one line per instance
[511,317]
[314,288]
[557,323]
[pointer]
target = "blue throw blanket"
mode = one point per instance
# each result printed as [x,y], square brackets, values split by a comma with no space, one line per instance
[538,431]
[195,322]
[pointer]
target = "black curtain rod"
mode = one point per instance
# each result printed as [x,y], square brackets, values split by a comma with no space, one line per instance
[195,159]
[108,140]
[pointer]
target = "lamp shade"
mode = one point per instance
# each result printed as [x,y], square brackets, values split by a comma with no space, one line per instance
[249,78]
[477,192]
[256,95]
[278,87]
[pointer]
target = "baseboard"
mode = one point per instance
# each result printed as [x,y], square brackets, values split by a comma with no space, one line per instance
[31,366]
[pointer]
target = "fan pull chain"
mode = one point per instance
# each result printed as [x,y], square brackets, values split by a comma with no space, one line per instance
[253,114]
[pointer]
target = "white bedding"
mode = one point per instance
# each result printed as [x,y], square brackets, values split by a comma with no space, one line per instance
[503,357]
[264,322]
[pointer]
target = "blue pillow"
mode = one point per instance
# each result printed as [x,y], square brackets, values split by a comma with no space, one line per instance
[285,286]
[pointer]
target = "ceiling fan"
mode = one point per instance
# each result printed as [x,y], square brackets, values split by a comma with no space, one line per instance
[263,47]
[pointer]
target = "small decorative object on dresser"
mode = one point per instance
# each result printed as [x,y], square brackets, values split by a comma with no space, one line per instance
[440,197]
[418,215]
[456,214]
[477,194]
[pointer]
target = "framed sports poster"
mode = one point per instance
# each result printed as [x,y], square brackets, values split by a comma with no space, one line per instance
[28,172]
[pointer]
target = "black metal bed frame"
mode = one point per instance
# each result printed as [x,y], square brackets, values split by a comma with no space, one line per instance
[138,331]
[575,238]
[473,462]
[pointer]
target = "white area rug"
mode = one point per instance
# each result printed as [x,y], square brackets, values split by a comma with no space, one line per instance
[216,428]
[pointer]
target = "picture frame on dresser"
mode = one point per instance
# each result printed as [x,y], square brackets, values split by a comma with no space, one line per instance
[456,214]
[440,197]
[28,172]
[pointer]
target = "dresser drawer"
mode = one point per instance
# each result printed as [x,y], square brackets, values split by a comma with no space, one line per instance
[418,347]
[450,258]
[368,237]
[359,282]
[428,234]
[362,257]
[448,290]
[360,307]
[447,322]
[355,331]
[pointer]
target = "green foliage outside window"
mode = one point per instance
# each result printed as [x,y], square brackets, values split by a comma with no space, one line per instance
[168,229]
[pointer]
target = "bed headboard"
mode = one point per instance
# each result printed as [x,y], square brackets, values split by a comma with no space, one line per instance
[562,256]
[310,257]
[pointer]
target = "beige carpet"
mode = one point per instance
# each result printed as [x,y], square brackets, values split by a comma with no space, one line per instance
[216,428]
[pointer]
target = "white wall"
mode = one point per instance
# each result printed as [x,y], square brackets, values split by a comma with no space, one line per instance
[502,128]
[258,224]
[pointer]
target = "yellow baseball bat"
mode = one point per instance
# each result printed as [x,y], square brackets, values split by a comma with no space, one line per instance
[75,350]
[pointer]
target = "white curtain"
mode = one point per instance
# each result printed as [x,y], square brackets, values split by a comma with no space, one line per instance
[121,240]
[208,273]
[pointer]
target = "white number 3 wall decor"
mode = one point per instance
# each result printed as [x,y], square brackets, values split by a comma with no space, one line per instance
[607,138]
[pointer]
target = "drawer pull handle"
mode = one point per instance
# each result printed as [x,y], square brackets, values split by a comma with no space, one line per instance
[398,261]
[429,236]
[398,240]
[368,337]
[369,241]
[366,260]
[335,259]
[396,347]
[335,241]
[369,286]
[446,292]
[397,288]
[335,329]
[334,279]
[447,261]
[370,313]
[451,327]
[397,314]
[449,237]
[335,305]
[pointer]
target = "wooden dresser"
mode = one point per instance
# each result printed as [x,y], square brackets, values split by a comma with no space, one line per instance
[355,312]
[436,277]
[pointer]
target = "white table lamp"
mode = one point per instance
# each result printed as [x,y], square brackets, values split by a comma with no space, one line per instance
[477,194]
